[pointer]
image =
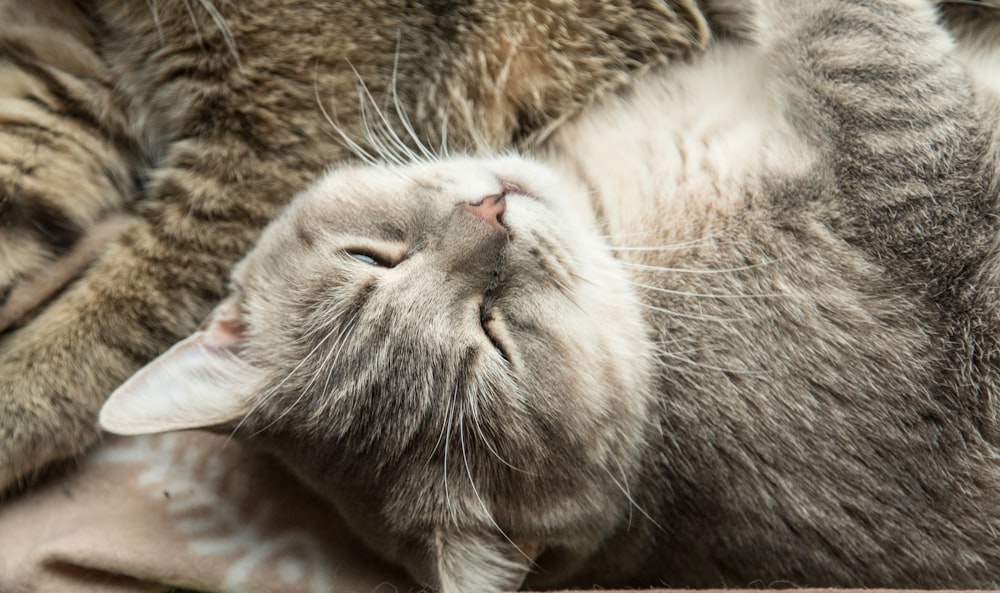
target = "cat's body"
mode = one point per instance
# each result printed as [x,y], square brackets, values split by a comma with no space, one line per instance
[212,114]
[739,328]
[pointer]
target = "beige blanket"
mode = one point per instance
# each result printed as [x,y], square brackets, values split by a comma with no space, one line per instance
[182,510]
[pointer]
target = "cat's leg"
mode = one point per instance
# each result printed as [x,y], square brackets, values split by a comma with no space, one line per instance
[66,160]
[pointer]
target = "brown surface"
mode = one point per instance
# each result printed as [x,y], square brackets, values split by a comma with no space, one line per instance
[180,510]
[190,510]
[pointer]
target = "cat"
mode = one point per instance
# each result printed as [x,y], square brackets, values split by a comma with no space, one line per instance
[203,118]
[734,326]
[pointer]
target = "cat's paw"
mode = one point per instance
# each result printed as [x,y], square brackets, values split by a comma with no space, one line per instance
[37,427]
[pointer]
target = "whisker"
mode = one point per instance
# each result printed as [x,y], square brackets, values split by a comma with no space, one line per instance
[628,495]
[475,491]
[707,295]
[709,271]
[980,3]
[449,418]
[332,359]
[688,362]
[400,112]
[474,413]
[333,351]
[227,34]
[194,23]
[444,134]
[154,9]
[270,392]
[344,138]
[448,404]
[392,139]
[692,316]
[385,153]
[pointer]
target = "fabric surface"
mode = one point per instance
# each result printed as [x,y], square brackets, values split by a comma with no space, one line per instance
[188,511]
[182,510]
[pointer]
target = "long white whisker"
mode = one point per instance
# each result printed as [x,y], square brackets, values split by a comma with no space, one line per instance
[709,271]
[448,403]
[628,495]
[346,140]
[333,351]
[227,34]
[688,362]
[449,412]
[194,23]
[332,358]
[706,295]
[400,112]
[391,137]
[270,392]
[691,316]
[475,491]
[444,134]
[474,412]
[153,8]
[385,153]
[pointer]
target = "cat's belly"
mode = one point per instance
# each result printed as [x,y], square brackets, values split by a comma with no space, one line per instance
[684,151]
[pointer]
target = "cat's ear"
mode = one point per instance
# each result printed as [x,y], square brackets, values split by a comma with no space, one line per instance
[200,382]
[469,562]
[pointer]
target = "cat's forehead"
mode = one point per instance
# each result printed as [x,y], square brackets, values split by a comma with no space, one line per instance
[452,181]
[390,202]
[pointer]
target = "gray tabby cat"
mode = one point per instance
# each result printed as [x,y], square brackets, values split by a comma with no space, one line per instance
[736,326]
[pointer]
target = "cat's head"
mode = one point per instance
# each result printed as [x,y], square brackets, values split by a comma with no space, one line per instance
[444,352]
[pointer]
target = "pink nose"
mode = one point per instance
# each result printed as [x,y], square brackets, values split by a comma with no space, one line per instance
[490,210]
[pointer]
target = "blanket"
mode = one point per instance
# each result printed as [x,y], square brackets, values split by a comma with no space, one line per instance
[181,511]
[185,511]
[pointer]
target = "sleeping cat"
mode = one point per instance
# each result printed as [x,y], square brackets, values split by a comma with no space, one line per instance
[209,115]
[735,326]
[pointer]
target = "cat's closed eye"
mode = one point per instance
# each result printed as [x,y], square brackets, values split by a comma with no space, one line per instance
[372,258]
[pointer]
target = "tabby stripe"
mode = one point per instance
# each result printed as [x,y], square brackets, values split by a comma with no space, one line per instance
[71,107]
[33,132]
[19,167]
[834,22]
[172,190]
[32,211]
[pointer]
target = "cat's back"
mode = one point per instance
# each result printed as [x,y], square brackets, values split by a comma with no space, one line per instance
[265,68]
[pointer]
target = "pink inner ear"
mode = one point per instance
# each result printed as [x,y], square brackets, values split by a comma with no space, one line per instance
[228,334]
[224,328]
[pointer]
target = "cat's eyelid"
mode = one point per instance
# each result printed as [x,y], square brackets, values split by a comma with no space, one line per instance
[372,257]
[364,258]
[375,252]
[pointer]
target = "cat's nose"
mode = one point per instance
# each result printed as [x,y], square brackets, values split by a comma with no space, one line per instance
[490,210]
